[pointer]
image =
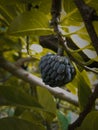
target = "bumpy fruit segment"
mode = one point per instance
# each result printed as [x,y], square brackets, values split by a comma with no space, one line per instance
[56,70]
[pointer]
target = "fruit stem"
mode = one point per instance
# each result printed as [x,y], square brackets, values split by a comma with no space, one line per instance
[60,50]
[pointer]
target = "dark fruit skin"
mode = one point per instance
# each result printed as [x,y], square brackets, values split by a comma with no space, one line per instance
[56,70]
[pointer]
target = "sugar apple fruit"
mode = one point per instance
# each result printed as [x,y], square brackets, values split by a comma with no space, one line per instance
[56,70]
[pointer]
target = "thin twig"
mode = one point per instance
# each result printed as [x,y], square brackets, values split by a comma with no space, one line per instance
[21,61]
[55,12]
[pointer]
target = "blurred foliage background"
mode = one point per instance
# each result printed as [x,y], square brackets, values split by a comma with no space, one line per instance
[28,106]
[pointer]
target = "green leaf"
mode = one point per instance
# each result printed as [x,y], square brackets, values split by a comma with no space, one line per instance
[18,124]
[71,87]
[84,90]
[63,120]
[7,42]
[93,3]
[82,32]
[11,95]
[37,116]
[85,46]
[96,59]
[9,12]
[72,15]
[96,25]
[90,122]
[46,100]
[44,6]
[31,22]
[32,116]
[71,10]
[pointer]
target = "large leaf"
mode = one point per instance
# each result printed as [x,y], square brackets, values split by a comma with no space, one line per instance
[19,124]
[32,22]
[48,103]
[10,11]
[46,99]
[4,11]
[11,95]
[90,122]
[84,90]
[41,5]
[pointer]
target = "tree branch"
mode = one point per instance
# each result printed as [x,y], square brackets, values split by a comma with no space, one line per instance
[51,42]
[55,12]
[87,109]
[32,79]
[76,60]
[87,14]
